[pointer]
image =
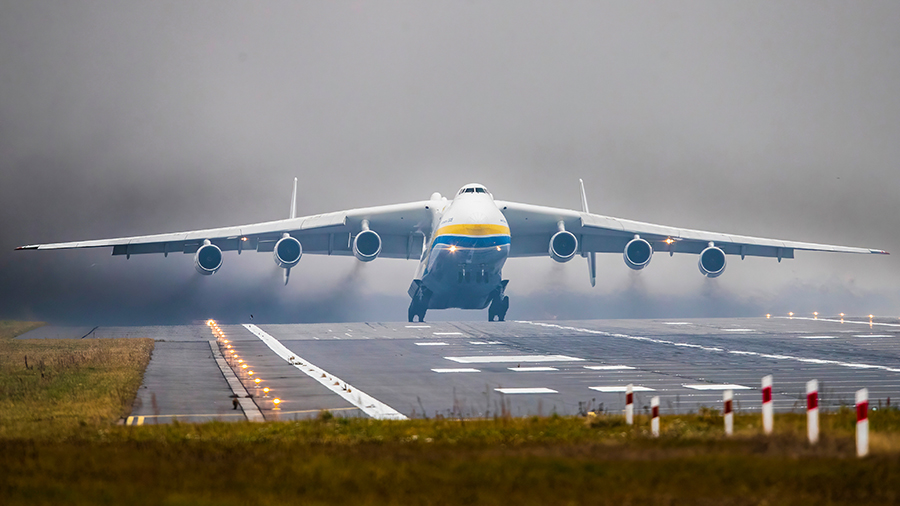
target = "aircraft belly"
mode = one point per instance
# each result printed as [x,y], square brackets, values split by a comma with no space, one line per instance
[464,278]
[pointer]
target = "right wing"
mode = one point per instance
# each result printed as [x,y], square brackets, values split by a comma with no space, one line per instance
[402,228]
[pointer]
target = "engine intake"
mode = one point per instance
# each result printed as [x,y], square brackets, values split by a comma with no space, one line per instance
[366,245]
[712,262]
[638,253]
[563,246]
[287,252]
[208,259]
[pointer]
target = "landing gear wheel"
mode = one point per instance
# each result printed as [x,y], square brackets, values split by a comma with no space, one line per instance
[498,308]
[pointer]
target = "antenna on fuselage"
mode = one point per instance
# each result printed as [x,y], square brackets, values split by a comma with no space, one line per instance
[591,255]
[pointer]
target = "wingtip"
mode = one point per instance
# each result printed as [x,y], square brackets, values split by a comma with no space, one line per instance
[24,248]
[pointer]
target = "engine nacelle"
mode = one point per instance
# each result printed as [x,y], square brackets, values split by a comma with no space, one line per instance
[563,246]
[287,252]
[208,259]
[712,262]
[366,245]
[638,253]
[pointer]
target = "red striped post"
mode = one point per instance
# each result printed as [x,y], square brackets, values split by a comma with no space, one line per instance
[862,422]
[629,404]
[654,421]
[767,404]
[812,411]
[727,397]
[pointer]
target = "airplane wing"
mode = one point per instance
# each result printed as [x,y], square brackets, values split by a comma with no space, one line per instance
[401,227]
[531,228]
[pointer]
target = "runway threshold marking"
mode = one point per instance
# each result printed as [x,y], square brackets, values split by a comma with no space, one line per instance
[714,349]
[532,369]
[500,359]
[712,386]
[540,390]
[458,369]
[365,402]
[608,367]
[432,344]
[621,388]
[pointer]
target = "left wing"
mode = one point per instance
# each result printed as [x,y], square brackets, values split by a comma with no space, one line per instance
[531,228]
[401,227]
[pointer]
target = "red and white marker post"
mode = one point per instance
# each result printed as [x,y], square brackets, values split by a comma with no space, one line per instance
[728,396]
[812,410]
[654,421]
[767,404]
[629,404]
[862,422]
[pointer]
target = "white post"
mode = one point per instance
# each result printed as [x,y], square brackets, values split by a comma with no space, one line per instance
[728,396]
[812,410]
[654,421]
[629,404]
[767,404]
[862,422]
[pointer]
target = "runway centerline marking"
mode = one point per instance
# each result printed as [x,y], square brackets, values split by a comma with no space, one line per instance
[713,349]
[816,337]
[500,359]
[540,390]
[432,344]
[448,333]
[458,369]
[532,369]
[621,388]
[713,386]
[608,367]
[365,402]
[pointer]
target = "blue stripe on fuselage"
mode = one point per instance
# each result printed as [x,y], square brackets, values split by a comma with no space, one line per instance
[465,241]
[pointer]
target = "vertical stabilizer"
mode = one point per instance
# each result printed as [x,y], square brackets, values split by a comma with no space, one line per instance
[294,203]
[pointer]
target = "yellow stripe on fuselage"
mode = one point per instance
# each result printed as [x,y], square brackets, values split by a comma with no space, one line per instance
[473,229]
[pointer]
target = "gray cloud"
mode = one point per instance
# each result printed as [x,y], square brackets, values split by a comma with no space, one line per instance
[766,118]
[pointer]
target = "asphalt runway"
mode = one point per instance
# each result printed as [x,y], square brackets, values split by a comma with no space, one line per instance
[396,370]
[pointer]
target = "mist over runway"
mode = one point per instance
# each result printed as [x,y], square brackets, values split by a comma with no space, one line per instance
[481,369]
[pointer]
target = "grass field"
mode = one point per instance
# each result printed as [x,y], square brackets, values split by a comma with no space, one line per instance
[51,387]
[64,451]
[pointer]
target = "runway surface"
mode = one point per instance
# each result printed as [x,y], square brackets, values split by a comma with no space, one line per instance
[397,370]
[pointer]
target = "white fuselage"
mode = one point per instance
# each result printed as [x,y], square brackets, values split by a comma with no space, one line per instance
[462,264]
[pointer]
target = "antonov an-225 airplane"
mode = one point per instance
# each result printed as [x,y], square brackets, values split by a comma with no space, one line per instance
[461,244]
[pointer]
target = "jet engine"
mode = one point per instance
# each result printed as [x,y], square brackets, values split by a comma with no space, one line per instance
[287,252]
[712,262]
[638,253]
[208,259]
[366,245]
[563,246]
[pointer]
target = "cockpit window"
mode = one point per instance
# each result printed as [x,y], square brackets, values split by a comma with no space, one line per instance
[480,190]
[470,190]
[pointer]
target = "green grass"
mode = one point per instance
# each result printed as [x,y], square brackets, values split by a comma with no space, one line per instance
[51,387]
[59,444]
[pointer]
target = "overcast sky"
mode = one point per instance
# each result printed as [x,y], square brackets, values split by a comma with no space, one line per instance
[776,119]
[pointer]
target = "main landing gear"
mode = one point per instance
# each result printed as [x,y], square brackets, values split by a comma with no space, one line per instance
[499,303]
[419,304]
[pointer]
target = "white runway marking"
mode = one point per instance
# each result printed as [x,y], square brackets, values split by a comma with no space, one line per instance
[500,359]
[461,369]
[709,348]
[678,323]
[447,333]
[477,342]
[432,344]
[532,369]
[418,326]
[739,330]
[608,367]
[526,391]
[368,404]
[621,388]
[873,335]
[711,386]
[817,337]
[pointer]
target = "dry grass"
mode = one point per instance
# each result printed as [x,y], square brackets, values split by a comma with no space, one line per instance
[53,386]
